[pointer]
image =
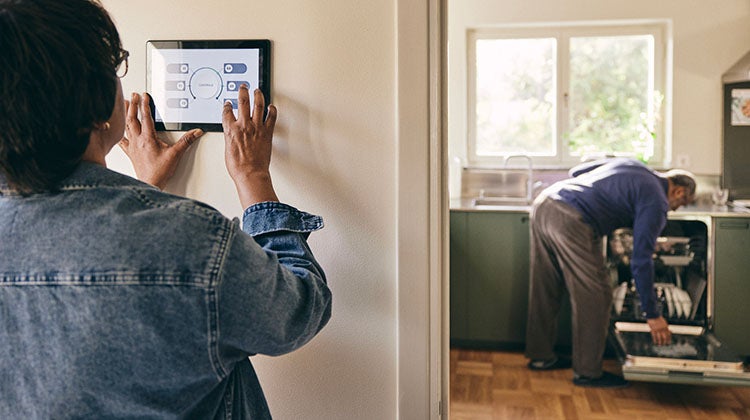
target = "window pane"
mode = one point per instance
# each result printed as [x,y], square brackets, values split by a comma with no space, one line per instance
[611,96]
[515,97]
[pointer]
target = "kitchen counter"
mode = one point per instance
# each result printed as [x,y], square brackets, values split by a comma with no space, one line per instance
[713,210]
[467,205]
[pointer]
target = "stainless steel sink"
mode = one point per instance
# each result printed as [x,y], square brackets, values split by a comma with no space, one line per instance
[506,186]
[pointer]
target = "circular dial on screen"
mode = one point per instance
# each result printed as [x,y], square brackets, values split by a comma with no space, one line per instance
[205,83]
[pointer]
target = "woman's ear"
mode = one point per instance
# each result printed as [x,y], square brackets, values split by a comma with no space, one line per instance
[103,126]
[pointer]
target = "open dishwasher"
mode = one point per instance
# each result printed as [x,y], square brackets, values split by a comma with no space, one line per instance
[684,289]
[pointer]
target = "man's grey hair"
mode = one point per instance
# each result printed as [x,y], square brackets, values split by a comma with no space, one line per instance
[682,178]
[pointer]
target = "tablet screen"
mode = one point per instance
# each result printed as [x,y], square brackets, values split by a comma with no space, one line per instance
[189,81]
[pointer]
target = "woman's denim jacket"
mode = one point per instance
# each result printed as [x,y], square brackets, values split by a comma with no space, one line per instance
[120,301]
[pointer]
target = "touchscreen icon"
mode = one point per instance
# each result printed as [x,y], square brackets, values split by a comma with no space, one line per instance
[179,68]
[233,101]
[177,103]
[234,85]
[175,85]
[234,68]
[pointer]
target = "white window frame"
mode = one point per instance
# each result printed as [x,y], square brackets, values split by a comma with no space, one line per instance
[661,82]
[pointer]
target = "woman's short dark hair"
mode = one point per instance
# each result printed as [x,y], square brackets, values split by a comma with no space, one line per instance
[57,79]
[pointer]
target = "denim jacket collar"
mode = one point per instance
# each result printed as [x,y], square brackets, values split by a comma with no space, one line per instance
[87,175]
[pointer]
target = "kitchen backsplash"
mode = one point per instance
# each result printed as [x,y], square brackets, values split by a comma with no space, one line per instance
[476,182]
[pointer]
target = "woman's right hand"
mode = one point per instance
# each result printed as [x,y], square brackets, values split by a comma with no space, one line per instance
[248,139]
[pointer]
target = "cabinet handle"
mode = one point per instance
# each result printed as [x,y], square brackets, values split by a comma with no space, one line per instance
[524,219]
[734,225]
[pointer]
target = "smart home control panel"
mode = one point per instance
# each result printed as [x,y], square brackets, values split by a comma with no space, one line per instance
[189,81]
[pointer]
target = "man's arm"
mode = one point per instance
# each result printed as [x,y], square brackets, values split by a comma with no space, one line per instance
[648,223]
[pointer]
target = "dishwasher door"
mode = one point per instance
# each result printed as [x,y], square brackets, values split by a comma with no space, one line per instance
[695,356]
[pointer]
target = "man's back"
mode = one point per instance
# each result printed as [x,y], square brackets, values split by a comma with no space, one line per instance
[619,193]
[613,194]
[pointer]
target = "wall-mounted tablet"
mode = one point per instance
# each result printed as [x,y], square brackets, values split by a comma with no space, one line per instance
[189,81]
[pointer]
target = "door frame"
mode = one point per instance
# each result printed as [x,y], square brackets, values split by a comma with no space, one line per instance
[422,212]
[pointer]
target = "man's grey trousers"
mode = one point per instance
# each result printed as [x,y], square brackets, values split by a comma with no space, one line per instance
[567,254]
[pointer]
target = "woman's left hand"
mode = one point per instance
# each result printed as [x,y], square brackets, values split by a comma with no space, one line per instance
[154,160]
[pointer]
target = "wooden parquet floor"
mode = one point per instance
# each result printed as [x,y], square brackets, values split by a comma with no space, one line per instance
[488,385]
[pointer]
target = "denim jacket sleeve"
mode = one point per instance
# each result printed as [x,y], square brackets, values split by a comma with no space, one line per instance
[272,293]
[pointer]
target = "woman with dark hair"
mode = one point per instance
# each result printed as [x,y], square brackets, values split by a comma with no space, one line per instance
[116,299]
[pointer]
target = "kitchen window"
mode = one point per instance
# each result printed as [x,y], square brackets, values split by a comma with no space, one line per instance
[562,93]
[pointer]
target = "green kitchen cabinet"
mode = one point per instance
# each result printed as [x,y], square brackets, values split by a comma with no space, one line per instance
[732,283]
[489,269]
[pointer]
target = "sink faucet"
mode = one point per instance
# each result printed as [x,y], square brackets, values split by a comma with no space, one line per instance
[529,174]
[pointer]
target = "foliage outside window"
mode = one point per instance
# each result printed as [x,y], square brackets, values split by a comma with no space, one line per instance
[559,94]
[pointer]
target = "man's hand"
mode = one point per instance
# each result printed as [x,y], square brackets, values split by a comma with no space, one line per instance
[247,150]
[660,333]
[154,160]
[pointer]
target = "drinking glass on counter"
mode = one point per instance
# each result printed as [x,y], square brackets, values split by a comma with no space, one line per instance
[720,196]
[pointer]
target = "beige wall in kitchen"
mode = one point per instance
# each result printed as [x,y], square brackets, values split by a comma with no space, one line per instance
[708,38]
[337,81]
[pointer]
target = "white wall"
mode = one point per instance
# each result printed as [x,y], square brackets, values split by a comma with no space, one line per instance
[709,37]
[335,152]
